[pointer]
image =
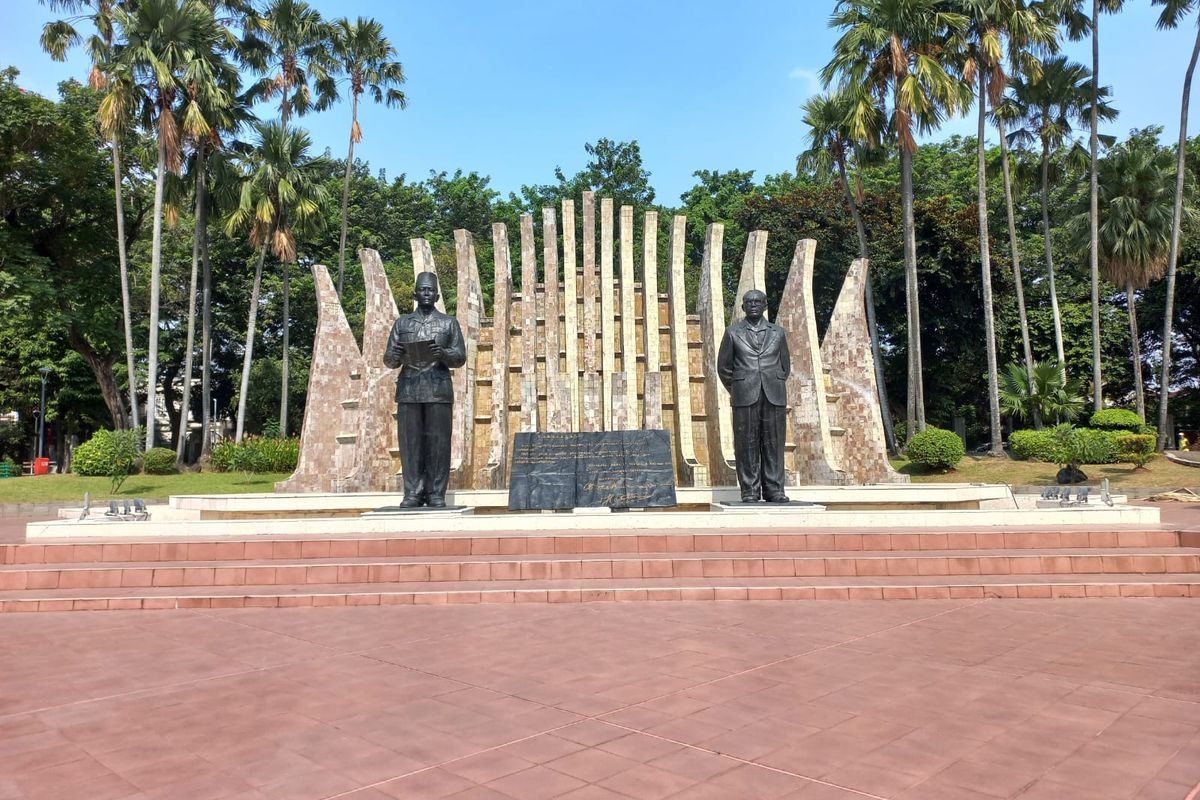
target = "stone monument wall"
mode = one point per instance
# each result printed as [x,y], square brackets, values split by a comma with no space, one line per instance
[587,342]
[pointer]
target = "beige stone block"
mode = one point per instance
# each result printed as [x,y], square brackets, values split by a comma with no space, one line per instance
[470,320]
[689,467]
[571,316]
[711,310]
[629,362]
[608,320]
[754,271]
[422,257]
[493,472]
[591,288]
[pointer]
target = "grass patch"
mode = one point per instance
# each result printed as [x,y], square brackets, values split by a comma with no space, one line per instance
[54,488]
[1158,474]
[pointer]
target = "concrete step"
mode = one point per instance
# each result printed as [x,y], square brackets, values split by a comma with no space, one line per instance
[441,569]
[519,543]
[574,591]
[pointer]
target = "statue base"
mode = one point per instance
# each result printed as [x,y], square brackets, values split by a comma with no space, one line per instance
[763,507]
[397,511]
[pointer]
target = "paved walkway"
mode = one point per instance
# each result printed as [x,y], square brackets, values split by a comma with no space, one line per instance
[963,700]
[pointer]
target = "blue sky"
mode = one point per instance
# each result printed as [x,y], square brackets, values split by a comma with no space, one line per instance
[514,89]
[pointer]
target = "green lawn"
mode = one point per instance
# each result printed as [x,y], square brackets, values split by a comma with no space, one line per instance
[1158,474]
[53,488]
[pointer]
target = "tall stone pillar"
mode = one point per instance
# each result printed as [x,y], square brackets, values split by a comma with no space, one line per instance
[558,415]
[754,271]
[814,459]
[470,319]
[493,474]
[529,337]
[628,321]
[422,256]
[846,352]
[711,309]
[571,312]
[607,311]
[327,440]
[376,443]
[591,289]
[651,397]
[689,466]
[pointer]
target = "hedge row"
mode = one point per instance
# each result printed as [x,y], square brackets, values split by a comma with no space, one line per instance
[1100,446]
[256,454]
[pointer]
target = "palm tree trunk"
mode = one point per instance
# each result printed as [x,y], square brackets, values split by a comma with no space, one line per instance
[889,434]
[1164,382]
[248,356]
[1139,391]
[1048,241]
[206,420]
[201,221]
[346,193]
[155,271]
[985,265]
[283,392]
[1094,200]
[1014,247]
[124,262]
[916,389]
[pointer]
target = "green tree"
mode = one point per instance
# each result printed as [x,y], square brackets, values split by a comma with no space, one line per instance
[282,196]
[1172,14]
[1049,395]
[365,57]
[899,50]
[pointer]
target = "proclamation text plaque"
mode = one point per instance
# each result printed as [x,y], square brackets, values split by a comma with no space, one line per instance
[616,469]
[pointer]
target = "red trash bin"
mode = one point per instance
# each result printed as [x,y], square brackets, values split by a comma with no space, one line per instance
[41,466]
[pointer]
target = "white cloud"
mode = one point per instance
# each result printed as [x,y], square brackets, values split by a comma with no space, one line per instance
[809,76]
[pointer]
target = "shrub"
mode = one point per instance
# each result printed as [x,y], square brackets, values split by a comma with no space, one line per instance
[108,453]
[1136,448]
[256,454]
[1116,419]
[1033,444]
[1083,445]
[936,448]
[159,461]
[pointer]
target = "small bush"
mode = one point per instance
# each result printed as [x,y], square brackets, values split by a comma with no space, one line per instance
[256,454]
[1116,419]
[159,461]
[936,449]
[1084,445]
[108,454]
[1136,448]
[1033,444]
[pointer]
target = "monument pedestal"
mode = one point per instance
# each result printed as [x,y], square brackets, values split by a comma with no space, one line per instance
[791,506]
[397,511]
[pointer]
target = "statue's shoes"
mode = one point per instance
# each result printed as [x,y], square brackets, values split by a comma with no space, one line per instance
[779,498]
[748,499]
[411,502]
[436,502]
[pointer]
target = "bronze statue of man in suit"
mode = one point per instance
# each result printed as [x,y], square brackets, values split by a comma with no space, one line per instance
[425,344]
[753,364]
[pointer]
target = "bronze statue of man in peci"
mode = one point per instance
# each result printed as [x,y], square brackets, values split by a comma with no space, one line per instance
[753,364]
[425,344]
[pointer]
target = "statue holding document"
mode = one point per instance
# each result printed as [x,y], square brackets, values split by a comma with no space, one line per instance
[425,344]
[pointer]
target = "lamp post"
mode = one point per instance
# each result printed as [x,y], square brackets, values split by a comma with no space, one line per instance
[42,417]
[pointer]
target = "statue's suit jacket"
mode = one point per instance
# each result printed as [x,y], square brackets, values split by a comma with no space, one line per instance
[749,372]
[426,382]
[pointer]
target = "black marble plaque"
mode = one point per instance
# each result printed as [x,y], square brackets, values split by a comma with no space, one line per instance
[617,469]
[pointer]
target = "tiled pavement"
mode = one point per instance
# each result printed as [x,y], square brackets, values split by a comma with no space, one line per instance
[962,700]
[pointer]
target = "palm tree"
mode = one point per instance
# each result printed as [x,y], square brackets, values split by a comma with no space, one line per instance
[830,145]
[1110,6]
[897,50]
[167,46]
[281,197]
[1135,228]
[993,26]
[57,38]
[1173,11]
[290,44]
[364,55]
[1047,106]
[1046,394]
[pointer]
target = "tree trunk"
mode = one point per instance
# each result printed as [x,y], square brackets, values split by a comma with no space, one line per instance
[1094,201]
[124,262]
[102,367]
[1018,280]
[1164,382]
[1139,390]
[206,420]
[916,389]
[283,392]
[201,221]
[1048,241]
[248,356]
[155,271]
[346,193]
[985,266]
[889,434]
